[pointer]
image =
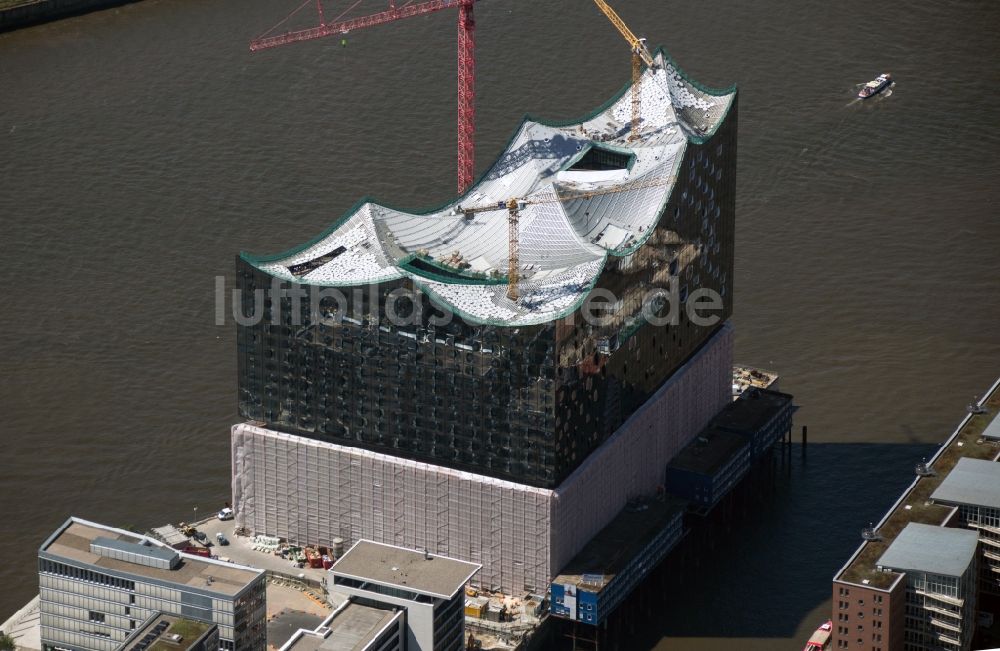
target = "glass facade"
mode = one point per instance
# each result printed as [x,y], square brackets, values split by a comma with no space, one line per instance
[939,610]
[525,403]
[85,608]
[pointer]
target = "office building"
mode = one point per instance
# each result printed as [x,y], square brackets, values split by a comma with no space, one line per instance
[99,585]
[939,564]
[928,566]
[353,627]
[398,600]
[973,486]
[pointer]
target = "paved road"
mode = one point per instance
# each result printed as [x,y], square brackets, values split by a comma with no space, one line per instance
[238,551]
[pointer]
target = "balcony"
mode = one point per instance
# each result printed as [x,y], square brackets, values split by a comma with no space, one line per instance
[942,598]
[943,624]
[943,611]
[989,541]
[948,639]
[985,527]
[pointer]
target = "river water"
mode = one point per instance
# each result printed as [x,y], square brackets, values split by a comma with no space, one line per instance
[141,148]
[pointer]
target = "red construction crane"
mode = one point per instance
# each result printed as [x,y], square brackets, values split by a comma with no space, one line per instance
[466,60]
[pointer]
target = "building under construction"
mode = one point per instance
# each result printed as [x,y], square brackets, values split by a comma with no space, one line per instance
[493,380]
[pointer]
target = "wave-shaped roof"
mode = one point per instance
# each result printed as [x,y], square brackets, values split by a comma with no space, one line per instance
[564,240]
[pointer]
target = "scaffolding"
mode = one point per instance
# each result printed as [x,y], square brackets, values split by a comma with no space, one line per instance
[521,535]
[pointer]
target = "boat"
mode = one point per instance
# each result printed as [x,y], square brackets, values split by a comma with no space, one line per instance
[820,640]
[875,86]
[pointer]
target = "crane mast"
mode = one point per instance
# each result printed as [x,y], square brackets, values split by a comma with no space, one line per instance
[513,273]
[640,55]
[513,205]
[466,96]
[466,61]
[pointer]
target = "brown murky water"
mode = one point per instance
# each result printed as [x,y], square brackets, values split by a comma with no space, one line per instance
[141,148]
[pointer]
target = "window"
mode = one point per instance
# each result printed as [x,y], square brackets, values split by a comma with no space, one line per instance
[95,617]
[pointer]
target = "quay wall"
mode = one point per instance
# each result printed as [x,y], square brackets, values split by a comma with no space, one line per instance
[42,11]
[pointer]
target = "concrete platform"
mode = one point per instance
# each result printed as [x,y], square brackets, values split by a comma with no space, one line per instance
[239,551]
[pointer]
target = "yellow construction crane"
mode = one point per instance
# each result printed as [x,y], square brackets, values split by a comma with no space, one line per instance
[640,55]
[512,206]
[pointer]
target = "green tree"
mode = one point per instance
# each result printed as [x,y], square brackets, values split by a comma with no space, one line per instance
[6,642]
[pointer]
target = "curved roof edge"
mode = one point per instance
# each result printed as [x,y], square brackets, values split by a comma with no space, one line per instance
[444,304]
[257,260]
[649,231]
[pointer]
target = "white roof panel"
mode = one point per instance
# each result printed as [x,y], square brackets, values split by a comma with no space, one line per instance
[586,190]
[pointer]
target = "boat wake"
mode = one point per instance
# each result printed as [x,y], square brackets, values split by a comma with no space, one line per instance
[874,99]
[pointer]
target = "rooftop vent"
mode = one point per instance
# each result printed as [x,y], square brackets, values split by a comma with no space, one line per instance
[923,469]
[976,408]
[870,534]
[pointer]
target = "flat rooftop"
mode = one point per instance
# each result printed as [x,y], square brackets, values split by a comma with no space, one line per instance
[161,626]
[614,547]
[931,548]
[350,629]
[916,505]
[709,451]
[407,569]
[72,542]
[752,411]
[971,481]
[992,430]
